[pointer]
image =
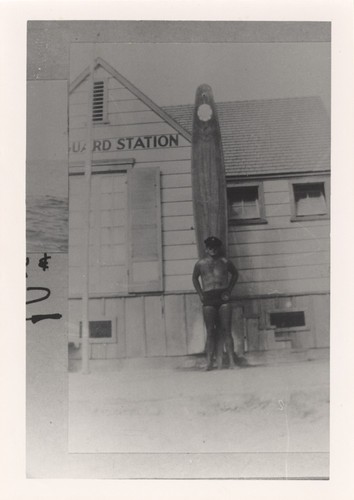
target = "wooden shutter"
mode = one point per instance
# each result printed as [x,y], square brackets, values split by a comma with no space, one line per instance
[145,252]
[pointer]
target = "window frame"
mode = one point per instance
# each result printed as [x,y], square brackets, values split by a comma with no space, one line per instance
[285,332]
[102,340]
[251,221]
[303,181]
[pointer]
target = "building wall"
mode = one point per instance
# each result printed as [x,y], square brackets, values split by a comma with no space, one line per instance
[281,256]
[145,326]
[258,335]
[283,265]
[129,116]
[172,325]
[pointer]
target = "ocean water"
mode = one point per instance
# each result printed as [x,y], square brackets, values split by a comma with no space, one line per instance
[47,224]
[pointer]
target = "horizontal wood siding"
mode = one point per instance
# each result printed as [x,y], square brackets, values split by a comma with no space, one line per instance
[312,245]
[301,285]
[282,260]
[269,234]
[277,257]
[280,256]
[279,253]
[117,118]
[179,238]
[170,166]
[178,283]
[129,116]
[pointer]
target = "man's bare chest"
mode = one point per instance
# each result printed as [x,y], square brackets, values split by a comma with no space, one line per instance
[214,268]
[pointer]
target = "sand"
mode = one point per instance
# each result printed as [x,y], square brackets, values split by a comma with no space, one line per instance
[162,409]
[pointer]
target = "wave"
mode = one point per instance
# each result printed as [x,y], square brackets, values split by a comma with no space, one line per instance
[47,226]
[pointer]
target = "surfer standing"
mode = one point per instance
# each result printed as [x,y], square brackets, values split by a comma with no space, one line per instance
[218,276]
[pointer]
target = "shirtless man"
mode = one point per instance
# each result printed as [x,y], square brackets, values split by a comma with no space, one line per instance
[218,276]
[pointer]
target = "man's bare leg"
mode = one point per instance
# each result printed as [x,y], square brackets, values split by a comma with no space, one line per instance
[220,341]
[220,351]
[210,316]
[225,316]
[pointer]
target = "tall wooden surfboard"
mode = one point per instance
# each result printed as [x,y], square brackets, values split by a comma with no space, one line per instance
[208,172]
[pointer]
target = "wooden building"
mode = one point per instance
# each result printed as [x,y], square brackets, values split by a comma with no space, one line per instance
[142,242]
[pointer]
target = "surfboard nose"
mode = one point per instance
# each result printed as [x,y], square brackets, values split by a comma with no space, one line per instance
[204,94]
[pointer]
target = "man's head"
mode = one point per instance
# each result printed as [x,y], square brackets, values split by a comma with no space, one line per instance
[213,245]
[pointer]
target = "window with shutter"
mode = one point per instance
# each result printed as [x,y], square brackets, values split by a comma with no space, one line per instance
[145,248]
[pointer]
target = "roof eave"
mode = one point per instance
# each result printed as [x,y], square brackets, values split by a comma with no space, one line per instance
[279,174]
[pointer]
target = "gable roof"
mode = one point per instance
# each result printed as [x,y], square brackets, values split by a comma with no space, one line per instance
[260,137]
[134,90]
[269,136]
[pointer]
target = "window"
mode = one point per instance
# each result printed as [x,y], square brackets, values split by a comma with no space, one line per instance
[246,204]
[100,331]
[310,200]
[284,322]
[99,102]
[287,319]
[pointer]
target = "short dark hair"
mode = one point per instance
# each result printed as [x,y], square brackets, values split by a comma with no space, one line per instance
[213,242]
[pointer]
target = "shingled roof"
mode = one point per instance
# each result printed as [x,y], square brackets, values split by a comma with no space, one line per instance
[272,136]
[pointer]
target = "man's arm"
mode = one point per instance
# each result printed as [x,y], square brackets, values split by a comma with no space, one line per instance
[234,275]
[195,279]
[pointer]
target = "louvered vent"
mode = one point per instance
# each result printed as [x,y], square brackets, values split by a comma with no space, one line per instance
[99,102]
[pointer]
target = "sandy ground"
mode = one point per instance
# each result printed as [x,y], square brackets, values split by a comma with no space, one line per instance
[282,408]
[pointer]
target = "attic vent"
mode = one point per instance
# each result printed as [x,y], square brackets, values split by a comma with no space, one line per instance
[99,103]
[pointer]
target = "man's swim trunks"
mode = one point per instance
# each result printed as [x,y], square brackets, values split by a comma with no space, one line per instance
[215,298]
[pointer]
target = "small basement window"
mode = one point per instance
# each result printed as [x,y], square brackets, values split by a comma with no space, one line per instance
[245,204]
[310,200]
[99,102]
[285,322]
[287,319]
[100,331]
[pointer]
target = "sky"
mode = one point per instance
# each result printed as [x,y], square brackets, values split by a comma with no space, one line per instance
[169,73]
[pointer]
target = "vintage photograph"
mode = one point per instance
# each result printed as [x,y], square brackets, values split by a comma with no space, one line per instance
[208,255]
[196,224]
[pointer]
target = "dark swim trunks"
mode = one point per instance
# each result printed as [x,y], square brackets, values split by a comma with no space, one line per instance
[215,298]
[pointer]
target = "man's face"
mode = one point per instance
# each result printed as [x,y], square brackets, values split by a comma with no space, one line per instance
[213,251]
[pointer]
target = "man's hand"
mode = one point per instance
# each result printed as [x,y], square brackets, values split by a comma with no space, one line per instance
[226,295]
